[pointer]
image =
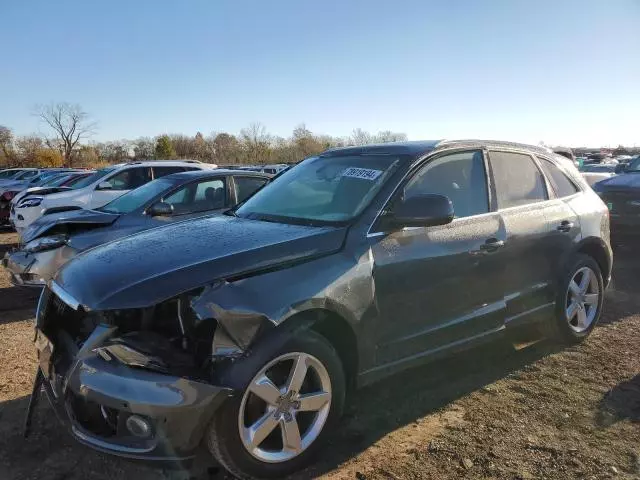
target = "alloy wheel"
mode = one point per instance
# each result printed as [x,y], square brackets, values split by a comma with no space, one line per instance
[285,407]
[582,300]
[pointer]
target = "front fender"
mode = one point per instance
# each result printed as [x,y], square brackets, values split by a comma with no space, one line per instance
[246,310]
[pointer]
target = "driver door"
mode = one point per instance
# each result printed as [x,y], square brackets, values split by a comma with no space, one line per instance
[440,286]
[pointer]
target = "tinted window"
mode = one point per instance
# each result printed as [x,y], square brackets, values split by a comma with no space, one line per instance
[459,176]
[245,186]
[559,181]
[198,197]
[517,179]
[130,178]
[162,171]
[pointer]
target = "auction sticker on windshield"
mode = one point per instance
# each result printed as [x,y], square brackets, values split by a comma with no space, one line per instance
[363,173]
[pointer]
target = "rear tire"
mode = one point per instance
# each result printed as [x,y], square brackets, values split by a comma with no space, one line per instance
[579,301]
[235,437]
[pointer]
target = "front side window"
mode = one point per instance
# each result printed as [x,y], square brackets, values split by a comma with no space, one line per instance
[198,197]
[459,176]
[135,199]
[321,190]
[559,181]
[130,178]
[517,179]
[246,186]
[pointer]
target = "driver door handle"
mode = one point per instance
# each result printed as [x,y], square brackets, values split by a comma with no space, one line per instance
[489,246]
[565,226]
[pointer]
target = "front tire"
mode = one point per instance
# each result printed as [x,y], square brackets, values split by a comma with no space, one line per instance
[291,402]
[579,301]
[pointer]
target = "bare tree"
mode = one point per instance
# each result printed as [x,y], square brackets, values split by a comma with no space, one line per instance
[69,123]
[6,145]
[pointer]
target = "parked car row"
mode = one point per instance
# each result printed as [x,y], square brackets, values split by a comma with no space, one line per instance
[245,331]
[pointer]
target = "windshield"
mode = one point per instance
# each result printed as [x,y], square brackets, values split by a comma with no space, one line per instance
[135,199]
[10,174]
[55,180]
[321,190]
[24,175]
[92,178]
[634,165]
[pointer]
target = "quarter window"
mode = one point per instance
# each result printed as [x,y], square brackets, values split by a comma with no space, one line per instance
[459,176]
[559,181]
[518,180]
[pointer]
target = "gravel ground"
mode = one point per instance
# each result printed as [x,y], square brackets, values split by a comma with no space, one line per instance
[538,411]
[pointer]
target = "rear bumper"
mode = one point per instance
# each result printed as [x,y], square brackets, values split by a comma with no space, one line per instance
[95,398]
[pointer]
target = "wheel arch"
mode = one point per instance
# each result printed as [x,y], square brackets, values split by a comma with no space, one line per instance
[338,331]
[596,248]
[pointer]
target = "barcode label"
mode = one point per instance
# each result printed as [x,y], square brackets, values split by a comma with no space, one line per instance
[363,173]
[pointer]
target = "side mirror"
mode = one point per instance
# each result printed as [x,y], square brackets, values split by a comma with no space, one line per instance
[160,209]
[621,168]
[104,186]
[422,211]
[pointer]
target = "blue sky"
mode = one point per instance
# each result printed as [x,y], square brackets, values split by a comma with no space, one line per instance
[560,71]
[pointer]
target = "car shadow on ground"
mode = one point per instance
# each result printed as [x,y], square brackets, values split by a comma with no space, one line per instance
[620,403]
[18,303]
[389,405]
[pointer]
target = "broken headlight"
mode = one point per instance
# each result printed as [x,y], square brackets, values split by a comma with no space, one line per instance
[46,243]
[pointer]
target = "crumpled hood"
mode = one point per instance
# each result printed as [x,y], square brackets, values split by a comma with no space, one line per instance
[88,218]
[144,269]
[626,181]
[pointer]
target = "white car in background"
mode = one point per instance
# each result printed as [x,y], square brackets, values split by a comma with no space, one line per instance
[98,189]
[595,172]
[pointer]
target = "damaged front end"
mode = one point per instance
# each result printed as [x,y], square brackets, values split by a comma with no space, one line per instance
[141,383]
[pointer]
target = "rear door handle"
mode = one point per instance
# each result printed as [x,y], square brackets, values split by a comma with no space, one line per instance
[565,226]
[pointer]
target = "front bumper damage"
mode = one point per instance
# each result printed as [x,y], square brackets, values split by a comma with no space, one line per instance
[35,269]
[124,410]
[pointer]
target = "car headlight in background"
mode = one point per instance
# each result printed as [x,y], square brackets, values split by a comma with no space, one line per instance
[30,202]
[46,243]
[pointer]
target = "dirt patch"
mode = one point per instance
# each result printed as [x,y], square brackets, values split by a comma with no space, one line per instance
[492,413]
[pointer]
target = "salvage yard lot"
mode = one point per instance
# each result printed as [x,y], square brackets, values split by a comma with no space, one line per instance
[495,412]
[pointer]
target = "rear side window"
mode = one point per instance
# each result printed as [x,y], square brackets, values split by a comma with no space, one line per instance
[245,186]
[459,176]
[130,178]
[517,179]
[162,171]
[559,181]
